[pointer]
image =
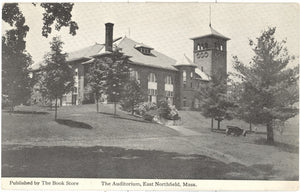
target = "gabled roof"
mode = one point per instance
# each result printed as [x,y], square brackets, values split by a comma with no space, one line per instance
[128,47]
[211,32]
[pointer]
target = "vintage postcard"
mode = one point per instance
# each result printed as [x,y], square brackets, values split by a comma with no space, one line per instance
[150,96]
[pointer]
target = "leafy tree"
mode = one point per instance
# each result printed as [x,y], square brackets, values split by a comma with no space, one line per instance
[132,96]
[214,102]
[16,82]
[117,76]
[96,78]
[270,87]
[15,60]
[58,13]
[57,73]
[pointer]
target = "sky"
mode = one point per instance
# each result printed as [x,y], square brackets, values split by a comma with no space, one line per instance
[168,27]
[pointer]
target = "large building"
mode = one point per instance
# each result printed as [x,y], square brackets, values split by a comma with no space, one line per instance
[160,76]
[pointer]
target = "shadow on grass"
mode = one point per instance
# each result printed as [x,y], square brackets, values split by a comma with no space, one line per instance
[75,124]
[28,112]
[125,118]
[281,146]
[116,162]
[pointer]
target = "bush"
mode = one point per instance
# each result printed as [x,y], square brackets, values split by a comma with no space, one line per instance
[88,98]
[167,111]
[144,107]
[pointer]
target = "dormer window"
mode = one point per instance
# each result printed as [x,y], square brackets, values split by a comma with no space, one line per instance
[144,49]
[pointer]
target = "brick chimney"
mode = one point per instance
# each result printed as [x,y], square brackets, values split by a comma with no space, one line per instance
[109,36]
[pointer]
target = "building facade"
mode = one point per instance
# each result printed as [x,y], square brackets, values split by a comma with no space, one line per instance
[160,76]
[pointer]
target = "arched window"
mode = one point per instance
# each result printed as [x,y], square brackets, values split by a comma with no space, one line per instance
[151,77]
[192,74]
[198,47]
[206,46]
[184,76]
[221,47]
[202,46]
[168,80]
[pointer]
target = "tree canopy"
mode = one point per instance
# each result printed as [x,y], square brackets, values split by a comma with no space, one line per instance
[270,86]
[57,74]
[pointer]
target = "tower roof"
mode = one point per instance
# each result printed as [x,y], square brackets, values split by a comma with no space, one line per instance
[185,61]
[211,32]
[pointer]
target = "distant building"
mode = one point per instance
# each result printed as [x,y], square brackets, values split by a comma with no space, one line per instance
[160,76]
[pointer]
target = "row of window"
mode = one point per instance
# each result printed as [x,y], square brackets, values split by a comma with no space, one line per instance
[151,77]
[153,99]
[184,76]
[145,51]
[204,46]
[154,92]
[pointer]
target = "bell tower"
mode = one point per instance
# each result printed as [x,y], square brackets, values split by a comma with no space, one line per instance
[210,53]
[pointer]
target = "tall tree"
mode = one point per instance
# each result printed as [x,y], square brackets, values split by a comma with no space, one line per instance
[214,102]
[270,86]
[132,95]
[117,76]
[57,73]
[96,78]
[16,81]
[15,60]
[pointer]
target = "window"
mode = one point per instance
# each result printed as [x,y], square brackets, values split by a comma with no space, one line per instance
[202,46]
[169,93]
[184,101]
[221,47]
[191,74]
[217,46]
[134,75]
[206,46]
[75,90]
[168,80]
[202,68]
[184,76]
[191,84]
[198,47]
[151,77]
[152,92]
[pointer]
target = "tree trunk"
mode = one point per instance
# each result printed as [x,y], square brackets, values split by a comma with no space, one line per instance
[55,116]
[115,109]
[212,123]
[60,101]
[97,104]
[270,134]
[132,109]
[11,108]
[219,121]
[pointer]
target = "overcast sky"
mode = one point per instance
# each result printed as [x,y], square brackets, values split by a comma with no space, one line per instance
[167,27]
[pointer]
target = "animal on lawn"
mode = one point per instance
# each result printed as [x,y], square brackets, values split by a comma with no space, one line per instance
[236,131]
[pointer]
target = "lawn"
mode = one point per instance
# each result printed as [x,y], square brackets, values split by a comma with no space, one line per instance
[83,143]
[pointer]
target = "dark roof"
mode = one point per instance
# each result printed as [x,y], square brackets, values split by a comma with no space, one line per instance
[212,32]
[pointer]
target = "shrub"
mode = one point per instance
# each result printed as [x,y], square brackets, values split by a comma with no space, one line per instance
[167,111]
[144,107]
